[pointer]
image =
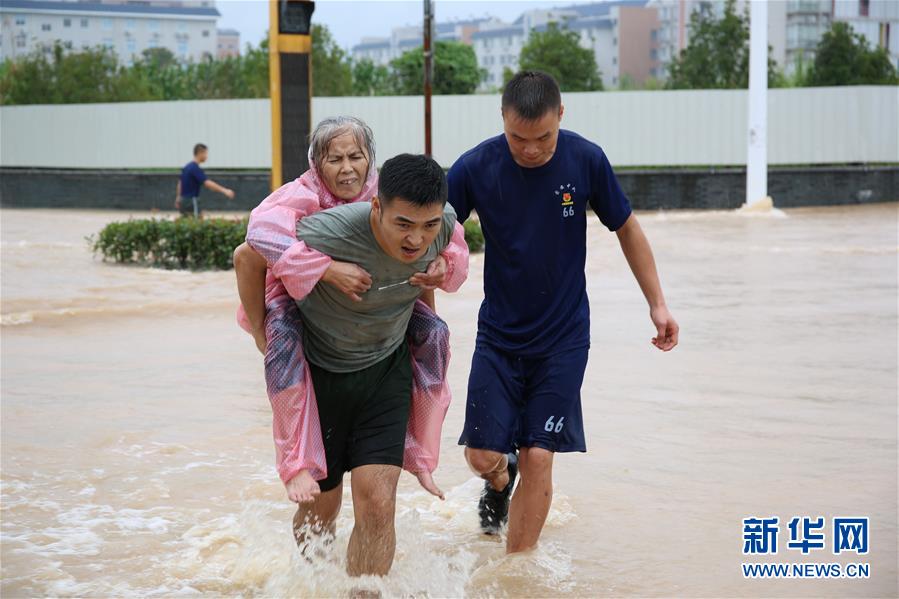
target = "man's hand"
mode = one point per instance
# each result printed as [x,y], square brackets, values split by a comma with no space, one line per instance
[427,482]
[348,278]
[302,488]
[229,193]
[178,203]
[261,341]
[433,277]
[666,327]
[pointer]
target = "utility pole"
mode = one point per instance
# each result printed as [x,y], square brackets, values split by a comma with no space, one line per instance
[429,70]
[757,149]
[290,86]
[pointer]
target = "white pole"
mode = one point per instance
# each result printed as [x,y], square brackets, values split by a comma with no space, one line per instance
[757,152]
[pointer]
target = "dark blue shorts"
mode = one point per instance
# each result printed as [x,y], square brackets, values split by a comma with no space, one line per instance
[190,206]
[525,402]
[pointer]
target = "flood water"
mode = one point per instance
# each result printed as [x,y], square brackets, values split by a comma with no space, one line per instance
[137,457]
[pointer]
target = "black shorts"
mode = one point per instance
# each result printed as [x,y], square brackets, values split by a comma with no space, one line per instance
[364,414]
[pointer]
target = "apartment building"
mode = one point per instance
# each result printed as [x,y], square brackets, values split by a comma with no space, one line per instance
[621,35]
[186,27]
[674,25]
[635,40]
[228,44]
[381,50]
[877,20]
[795,27]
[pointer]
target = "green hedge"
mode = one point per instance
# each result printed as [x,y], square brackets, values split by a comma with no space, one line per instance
[182,243]
[190,243]
[474,237]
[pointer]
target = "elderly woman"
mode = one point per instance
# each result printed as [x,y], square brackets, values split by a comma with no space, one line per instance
[274,268]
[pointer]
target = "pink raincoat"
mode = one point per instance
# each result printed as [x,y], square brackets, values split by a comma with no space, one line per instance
[294,270]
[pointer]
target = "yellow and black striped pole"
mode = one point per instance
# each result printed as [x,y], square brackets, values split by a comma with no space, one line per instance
[290,86]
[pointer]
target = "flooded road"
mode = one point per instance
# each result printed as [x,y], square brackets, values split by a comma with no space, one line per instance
[137,457]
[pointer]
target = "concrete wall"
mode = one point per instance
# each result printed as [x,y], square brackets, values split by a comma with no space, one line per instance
[670,128]
[122,189]
[789,187]
[655,189]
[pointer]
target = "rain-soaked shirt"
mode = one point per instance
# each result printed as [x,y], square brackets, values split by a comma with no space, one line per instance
[343,335]
[535,231]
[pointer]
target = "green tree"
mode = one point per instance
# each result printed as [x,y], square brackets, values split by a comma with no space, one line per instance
[717,56]
[370,79]
[60,77]
[254,70]
[26,80]
[456,70]
[95,75]
[243,76]
[158,57]
[844,58]
[627,83]
[800,75]
[508,73]
[162,74]
[331,71]
[558,52]
[653,84]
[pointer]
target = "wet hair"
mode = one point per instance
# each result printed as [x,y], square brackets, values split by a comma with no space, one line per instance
[531,94]
[414,178]
[199,148]
[332,127]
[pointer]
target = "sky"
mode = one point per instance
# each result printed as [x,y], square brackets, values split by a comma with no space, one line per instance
[351,20]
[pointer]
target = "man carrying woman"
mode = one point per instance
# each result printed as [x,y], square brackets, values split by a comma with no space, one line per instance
[275,269]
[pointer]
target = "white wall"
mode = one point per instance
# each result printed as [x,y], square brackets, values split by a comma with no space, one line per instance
[136,134]
[678,128]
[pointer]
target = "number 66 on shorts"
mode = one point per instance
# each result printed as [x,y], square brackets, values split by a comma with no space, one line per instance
[522,401]
[551,426]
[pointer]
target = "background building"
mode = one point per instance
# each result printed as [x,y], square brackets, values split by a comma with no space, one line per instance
[806,21]
[381,50]
[634,41]
[794,26]
[186,27]
[620,33]
[877,20]
[674,26]
[228,43]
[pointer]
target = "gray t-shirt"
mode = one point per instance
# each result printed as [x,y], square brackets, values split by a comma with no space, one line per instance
[342,335]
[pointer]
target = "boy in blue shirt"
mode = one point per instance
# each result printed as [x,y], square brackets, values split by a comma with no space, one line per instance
[187,194]
[531,188]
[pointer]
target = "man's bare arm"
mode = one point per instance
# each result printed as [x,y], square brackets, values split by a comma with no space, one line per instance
[210,184]
[250,268]
[639,256]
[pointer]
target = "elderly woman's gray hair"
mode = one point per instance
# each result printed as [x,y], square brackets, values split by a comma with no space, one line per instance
[335,126]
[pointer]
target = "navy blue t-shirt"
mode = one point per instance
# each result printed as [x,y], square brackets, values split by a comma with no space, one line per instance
[535,231]
[192,179]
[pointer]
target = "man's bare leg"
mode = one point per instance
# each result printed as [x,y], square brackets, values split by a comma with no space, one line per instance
[373,542]
[531,500]
[318,517]
[492,466]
